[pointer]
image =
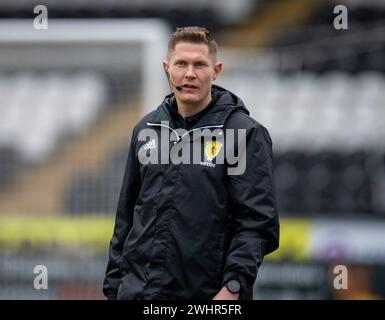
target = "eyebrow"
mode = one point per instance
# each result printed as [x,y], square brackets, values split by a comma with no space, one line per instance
[197,61]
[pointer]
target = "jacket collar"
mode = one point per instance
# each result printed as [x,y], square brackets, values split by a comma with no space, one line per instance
[225,103]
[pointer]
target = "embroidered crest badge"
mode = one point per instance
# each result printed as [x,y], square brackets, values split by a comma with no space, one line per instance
[212,149]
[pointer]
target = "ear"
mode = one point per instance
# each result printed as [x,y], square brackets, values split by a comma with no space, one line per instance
[217,70]
[165,66]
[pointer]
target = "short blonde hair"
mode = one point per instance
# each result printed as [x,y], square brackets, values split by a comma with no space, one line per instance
[193,35]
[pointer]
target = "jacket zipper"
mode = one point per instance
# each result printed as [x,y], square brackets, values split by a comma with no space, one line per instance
[181,137]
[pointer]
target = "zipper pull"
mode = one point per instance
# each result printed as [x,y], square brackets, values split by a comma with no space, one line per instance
[175,142]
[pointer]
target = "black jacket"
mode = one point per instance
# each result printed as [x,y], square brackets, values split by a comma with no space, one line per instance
[183,230]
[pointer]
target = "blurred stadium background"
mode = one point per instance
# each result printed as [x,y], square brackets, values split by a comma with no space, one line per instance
[70,95]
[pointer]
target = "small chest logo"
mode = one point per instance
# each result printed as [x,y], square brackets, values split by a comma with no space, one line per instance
[212,148]
[150,145]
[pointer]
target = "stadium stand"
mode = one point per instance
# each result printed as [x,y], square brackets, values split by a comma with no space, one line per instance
[64,134]
[39,108]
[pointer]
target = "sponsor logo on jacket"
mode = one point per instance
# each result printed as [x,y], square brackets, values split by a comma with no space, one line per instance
[150,145]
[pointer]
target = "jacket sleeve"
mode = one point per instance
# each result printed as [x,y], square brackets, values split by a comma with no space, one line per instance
[123,222]
[253,209]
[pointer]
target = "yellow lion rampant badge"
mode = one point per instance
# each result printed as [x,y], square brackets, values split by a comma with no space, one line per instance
[212,149]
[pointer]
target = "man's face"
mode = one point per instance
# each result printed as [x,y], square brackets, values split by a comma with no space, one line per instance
[191,66]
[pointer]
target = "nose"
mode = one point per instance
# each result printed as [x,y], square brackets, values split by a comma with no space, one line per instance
[190,73]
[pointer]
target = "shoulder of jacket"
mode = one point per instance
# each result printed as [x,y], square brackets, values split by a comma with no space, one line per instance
[241,120]
[142,123]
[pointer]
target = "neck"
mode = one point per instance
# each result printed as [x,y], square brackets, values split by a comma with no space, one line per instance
[188,110]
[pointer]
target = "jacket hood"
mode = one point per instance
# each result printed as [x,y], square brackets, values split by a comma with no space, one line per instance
[225,103]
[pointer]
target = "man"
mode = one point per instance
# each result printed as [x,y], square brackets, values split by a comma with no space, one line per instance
[194,230]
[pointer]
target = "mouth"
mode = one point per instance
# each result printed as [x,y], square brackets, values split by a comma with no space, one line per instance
[189,86]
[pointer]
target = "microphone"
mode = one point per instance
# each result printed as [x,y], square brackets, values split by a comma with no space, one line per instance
[179,88]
